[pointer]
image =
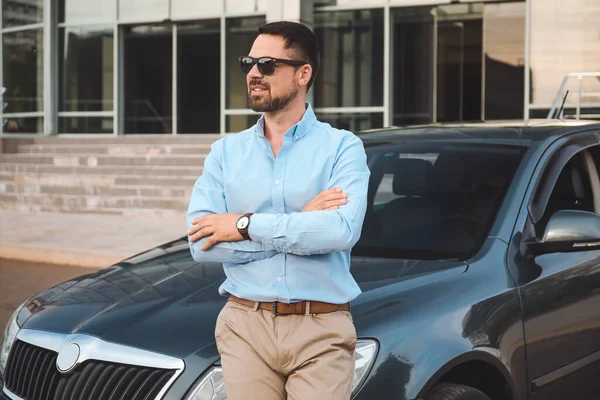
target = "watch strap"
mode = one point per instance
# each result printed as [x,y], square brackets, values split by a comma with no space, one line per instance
[244,232]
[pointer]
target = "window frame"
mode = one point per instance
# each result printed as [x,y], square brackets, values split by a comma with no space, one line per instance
[552,167]
[554,157]
[579,162]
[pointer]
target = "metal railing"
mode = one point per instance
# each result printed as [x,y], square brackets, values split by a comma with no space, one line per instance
[558,104]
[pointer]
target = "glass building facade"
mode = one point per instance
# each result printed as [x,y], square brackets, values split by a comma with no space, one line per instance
[122,67]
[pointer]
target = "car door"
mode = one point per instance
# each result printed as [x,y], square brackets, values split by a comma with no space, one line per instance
[560,292]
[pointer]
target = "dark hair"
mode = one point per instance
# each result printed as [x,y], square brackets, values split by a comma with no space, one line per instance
[300,39]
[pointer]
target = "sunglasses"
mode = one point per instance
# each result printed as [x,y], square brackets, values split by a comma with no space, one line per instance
[266,65]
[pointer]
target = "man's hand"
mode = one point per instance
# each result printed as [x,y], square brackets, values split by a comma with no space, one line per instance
[329,199]
[220,228]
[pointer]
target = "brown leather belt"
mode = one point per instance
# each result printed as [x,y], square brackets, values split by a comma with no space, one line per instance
[278,308]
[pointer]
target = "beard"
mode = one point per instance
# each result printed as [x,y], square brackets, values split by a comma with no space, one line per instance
[269,103]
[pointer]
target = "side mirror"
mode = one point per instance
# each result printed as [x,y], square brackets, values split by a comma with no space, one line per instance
[568,231]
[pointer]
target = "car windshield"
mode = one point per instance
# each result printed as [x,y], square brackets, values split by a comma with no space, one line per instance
[434,199]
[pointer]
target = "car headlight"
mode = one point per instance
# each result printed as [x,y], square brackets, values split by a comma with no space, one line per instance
[212,387]
[10,334]
[366,350]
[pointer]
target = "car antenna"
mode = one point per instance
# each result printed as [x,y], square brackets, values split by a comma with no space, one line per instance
[562,105]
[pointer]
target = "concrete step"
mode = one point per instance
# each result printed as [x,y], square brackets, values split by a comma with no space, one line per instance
[126,139]
[87,180]
[104,159]
[185,181]
[171,171]
[114,149]
[77,202]
[151,213]
[112,175]
[29,188]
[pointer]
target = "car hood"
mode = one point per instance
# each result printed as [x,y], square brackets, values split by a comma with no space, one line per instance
[163,301]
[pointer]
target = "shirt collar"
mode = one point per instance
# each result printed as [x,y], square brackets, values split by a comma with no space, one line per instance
[298,131]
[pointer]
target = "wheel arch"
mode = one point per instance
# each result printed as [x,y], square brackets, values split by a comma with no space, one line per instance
[469,369]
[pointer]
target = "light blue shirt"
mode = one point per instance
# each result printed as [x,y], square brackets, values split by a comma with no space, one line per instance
[292,255]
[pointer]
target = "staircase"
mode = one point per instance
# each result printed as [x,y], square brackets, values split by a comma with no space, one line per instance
[120,175]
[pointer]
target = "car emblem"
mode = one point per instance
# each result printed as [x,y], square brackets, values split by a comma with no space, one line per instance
[67,357]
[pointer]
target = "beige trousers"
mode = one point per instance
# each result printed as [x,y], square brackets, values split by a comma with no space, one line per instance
[285,357]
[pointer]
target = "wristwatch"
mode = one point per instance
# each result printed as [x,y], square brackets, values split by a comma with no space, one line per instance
[242,225]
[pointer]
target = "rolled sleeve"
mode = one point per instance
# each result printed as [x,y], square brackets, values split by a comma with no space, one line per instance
[261,228]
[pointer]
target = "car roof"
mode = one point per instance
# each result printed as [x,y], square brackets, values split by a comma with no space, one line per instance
[521,132]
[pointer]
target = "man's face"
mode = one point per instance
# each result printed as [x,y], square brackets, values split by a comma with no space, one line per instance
[270,93]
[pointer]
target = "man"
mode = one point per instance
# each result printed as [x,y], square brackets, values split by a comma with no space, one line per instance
[281,205]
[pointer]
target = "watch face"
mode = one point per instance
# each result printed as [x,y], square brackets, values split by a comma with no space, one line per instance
[242,223]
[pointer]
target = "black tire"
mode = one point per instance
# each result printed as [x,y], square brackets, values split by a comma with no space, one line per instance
[452,391]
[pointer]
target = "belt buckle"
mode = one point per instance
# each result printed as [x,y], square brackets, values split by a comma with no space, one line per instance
[275,305]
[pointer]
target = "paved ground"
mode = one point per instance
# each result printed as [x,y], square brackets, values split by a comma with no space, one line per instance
[20,280]
[41,249]
[84,240]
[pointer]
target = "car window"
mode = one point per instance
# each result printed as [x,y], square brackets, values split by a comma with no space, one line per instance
[595,152]
[434,199]
[594,173]
[385,192]
[572,191]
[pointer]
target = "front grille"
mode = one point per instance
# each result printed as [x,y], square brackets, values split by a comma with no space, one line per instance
[31,374]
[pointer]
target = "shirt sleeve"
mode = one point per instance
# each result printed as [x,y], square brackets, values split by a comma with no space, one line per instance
[208,197]
[320,232]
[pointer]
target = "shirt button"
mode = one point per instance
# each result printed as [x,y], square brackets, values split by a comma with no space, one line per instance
[278,279]
[277,182]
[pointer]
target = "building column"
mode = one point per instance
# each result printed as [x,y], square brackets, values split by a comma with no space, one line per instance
[49,72]
[291,10]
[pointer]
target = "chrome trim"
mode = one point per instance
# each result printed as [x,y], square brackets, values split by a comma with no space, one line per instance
[93,348]
[564,371]
[47,340]
[11,395]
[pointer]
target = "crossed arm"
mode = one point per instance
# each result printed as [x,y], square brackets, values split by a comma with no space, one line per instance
[330,222]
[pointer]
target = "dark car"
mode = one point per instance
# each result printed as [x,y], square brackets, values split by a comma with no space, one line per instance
[479,263]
